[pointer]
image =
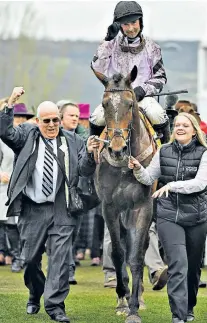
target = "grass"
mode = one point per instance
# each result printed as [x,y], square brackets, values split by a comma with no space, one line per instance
[88,302]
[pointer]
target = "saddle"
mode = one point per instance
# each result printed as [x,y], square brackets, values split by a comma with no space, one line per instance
[150,129]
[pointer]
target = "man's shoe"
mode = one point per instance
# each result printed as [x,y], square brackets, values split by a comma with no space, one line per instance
[77,262]
[16,266]
[190,316]
[202,284]
[2,260]
[110,282]
[96,261]
[32,309]
[159,279]
[72,280]
[80,256]
[59,317]
[177,320]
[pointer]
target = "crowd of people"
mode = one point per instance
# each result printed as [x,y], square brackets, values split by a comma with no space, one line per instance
[47,163]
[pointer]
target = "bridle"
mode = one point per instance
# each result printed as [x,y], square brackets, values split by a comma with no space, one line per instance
[119,132]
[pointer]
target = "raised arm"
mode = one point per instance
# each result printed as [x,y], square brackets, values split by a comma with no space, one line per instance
[102,57]
[12,137]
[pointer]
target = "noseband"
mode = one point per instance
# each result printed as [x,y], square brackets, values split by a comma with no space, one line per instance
[118,132]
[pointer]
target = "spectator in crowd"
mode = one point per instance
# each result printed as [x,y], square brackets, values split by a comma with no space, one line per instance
[69,115]
[202,123]
[182,103]
[39,196]
[90,223]
[97,237]
[6,167]
[180,167]
[5,257]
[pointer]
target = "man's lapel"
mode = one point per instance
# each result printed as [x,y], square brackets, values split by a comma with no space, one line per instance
[27,152]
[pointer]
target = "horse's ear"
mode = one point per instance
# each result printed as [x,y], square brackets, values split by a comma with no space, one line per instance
[100,76]
[132,75]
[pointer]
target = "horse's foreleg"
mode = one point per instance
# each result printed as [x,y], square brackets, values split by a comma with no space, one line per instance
[137,261]
[118,256]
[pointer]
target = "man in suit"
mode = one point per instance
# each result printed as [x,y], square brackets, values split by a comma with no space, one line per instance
[38,194]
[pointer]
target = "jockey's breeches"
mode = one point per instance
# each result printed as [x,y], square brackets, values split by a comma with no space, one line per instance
[154,111]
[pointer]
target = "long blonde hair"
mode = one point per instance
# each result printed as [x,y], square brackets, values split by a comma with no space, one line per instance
[199,134]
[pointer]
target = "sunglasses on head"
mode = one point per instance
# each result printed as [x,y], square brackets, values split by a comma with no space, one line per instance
[54,120]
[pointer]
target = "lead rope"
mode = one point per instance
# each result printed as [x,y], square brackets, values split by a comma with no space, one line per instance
[129,139]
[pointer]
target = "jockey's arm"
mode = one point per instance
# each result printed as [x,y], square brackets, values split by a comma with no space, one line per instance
[102,57]
[155,84]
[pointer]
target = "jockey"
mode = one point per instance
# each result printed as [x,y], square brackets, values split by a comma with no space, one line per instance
[125,46]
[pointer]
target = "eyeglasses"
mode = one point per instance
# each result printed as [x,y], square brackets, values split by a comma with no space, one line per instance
[54,120]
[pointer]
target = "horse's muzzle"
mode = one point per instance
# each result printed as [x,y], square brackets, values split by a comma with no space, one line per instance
[118,154]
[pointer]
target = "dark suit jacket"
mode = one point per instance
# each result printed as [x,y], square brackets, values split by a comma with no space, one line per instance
[24,141]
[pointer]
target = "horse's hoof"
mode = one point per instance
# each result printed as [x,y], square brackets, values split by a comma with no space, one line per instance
[133,319]
[122,307]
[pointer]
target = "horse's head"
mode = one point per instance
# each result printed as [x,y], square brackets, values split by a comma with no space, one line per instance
[118,102]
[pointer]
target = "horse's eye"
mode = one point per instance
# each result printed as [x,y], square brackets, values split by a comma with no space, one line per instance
[104,104]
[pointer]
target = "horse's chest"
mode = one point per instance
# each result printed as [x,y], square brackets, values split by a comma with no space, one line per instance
[113,181]
[119,186]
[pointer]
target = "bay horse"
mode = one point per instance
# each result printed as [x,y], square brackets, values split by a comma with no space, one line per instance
[121,194]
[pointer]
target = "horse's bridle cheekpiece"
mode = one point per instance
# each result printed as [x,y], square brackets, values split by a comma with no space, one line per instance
[118,132]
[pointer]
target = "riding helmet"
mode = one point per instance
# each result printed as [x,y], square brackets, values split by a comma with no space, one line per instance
[127,11]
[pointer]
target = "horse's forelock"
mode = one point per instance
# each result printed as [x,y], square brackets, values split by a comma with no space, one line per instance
[117,78]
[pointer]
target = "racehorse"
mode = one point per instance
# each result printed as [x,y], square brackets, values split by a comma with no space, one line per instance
[121,194]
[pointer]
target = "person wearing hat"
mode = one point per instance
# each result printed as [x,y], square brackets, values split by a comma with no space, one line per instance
[21,114]
[6,167]
[124,47]
[203,124]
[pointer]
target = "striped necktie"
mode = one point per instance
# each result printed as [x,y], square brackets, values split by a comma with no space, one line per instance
[47,180]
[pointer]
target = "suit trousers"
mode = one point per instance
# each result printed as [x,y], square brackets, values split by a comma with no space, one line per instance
[14,243]
[36,226]
[183,247]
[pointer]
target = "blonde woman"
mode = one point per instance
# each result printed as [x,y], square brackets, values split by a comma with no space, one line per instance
[180,167]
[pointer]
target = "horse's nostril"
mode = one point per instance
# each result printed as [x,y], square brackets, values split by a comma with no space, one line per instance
[110,150]
[117,153]
[124,149]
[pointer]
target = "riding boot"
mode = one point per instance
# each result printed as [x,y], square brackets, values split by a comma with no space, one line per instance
[163,131]
[95,130]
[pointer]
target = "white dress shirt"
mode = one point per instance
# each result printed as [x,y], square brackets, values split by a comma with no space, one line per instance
[34,187]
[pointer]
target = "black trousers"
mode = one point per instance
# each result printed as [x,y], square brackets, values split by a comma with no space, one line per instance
[98,235]
[183,247]
[36,226]
[3,246]
[72,252]
[14,242]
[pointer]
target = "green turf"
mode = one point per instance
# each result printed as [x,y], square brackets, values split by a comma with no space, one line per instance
[88,302]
